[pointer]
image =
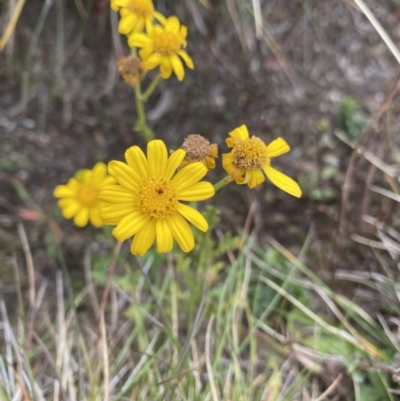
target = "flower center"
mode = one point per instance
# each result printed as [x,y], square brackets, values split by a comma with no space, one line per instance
[87,195]
[167,43]
[142,7]
[250,154]
[157,199]
[196,147]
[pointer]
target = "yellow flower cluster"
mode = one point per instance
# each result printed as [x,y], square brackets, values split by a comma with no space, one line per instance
[162,45]
[143,196]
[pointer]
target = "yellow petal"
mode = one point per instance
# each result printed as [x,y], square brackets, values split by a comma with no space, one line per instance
[227,162]
[82,217]
[94,217]
[136,159]
[152,61]
[172,25]
[197,192]
[124,175]
[177,66]
[165,68]
[233,171]
[254,178]
[108,181]
[174,162]
[158,16]
[139,25]
[144,239]
[182,34]
[113,214]
[213,150]
[240,133]
[283,182]
[187,59]
[189,175]
[157,30]
[116,194]
[127,23]
[193,216]
[129,226]
[63,191]
[115,4]
[157,157]
[69,207]
[99,172]
[148,20]
[145,53]
[209,162]
[123,12]
[182,232]
[164,237]
[277,147]
[139,40]
[231,142]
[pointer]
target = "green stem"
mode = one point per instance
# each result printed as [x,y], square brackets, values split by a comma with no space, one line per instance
[141,124]
[151,87]
[222,183]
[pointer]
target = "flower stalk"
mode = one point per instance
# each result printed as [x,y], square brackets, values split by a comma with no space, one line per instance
[141,124]
[220,184]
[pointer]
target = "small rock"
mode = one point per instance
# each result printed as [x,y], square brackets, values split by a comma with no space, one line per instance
[28,123]
[7,124]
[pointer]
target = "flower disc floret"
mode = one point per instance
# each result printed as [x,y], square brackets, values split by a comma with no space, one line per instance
[157,199]
[87,195]
[250,159]
[199,149]
[250,154]
[79,198]
[146,200]
[196,147]
[163,46]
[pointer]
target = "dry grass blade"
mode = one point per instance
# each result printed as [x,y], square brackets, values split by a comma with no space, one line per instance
[317,319]
[378,27]
[367,241]
[11,24]
[385,192]
[367,346]
[214,391]
[390,238]
[257,18]
[330,389]
[106,377]
[391,171]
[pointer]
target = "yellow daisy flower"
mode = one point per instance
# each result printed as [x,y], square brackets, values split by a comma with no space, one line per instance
[145,202]
[135,15]
[79,197]
[250,157]
[162,46]
[199,149]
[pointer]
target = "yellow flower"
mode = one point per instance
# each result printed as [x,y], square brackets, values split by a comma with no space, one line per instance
[162,46]
[145,202]
[135,15]
[198,149]
[250,157]
[79,197]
